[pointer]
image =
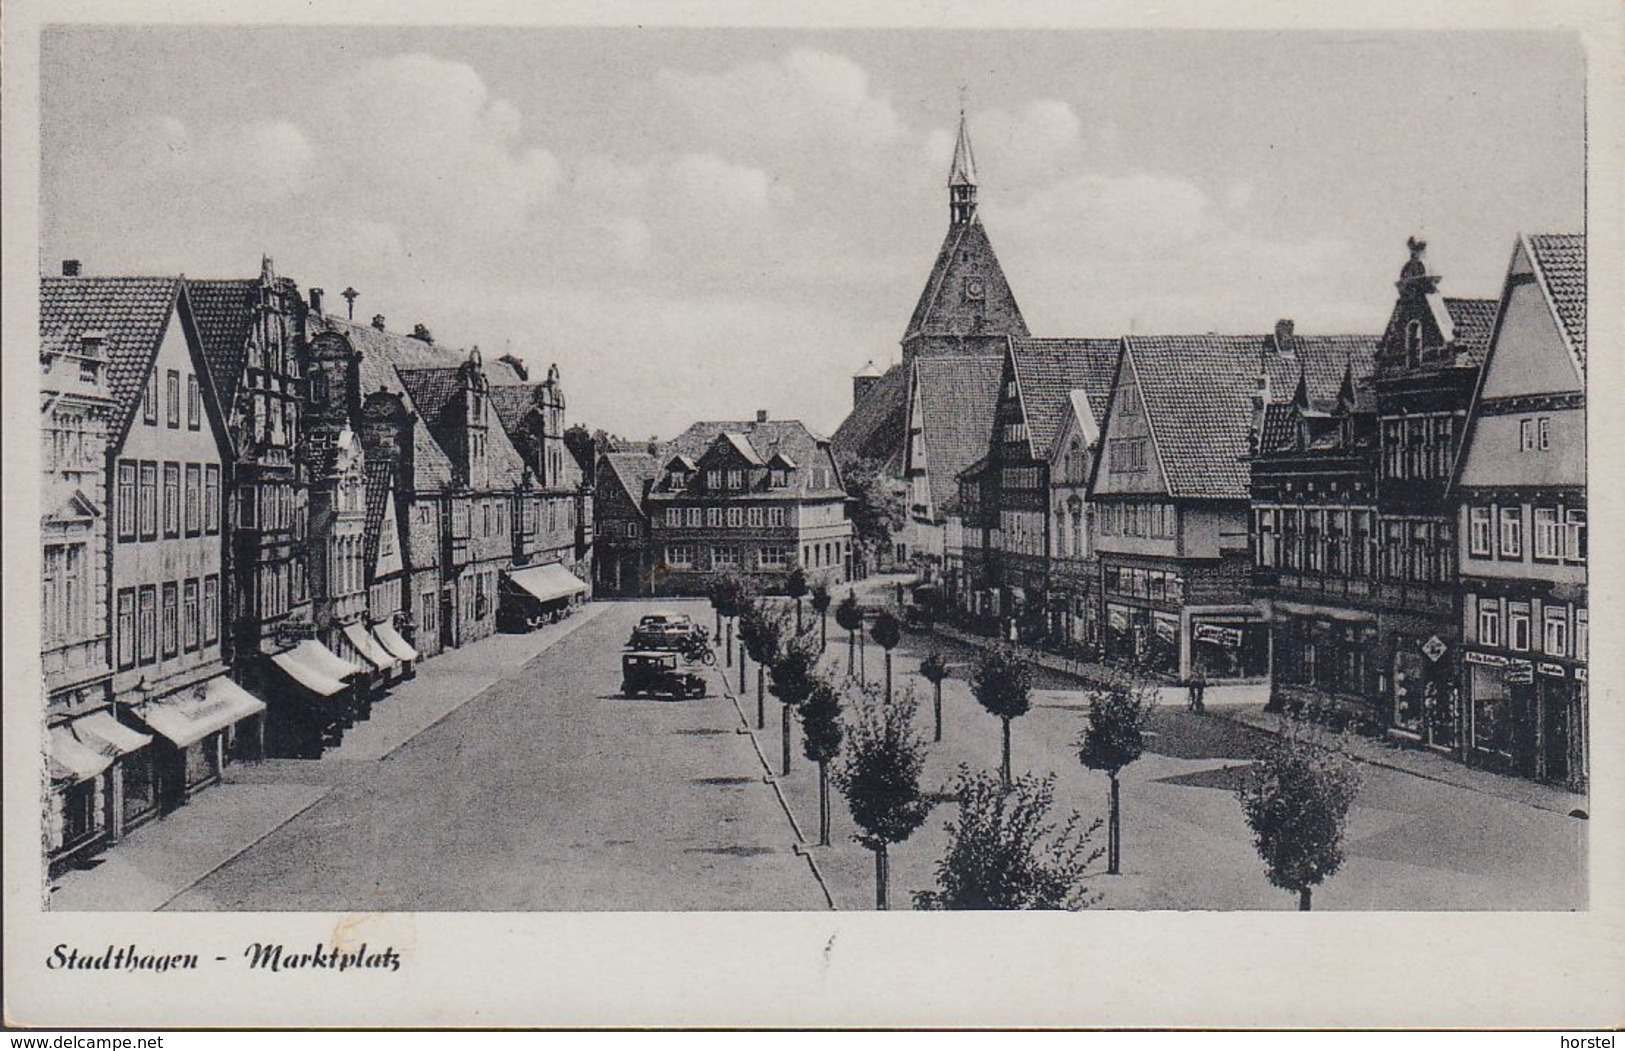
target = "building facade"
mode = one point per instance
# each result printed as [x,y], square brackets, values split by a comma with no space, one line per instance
[755,498]
[621,522]
[1520,501]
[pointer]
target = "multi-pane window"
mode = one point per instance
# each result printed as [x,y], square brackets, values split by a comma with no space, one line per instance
[1555,642]
[1511,532]
[126,500]
[1489,622]
[736,517]
[171,619]
[736,478]
[189,615]
[1360,544]
[211,608]
[1574,525]
[124,626]
[772,557]
[679,556]
[1582,634]
[194,403]
[149,399]
[775,516]
[753,517]
[172,499]
[713,516]
[149,500]
[713,478]
[1517,625]
[1312,541]
[1548,535]
[695,516]
[724,557]
[1480,527]
[147,624]
[194,498]
[1335,530]
[173,403]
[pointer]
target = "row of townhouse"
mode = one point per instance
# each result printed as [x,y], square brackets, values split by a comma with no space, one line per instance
[755,498]
[1390,525]
[256,518]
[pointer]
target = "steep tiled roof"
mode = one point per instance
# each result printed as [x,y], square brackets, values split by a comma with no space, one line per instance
[1198,393]
[378,476]
[966,254]
[1324,360]
[878,423]
[224,312]
[1280,432]
[511,402]
[1048,370]
[431,391]
[958,396]
[637,471]
[1561,260]
[130,312]
[764,438]
[1473,319]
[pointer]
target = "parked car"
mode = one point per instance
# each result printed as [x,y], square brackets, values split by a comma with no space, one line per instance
[654,673]
[666,631]
[921,612]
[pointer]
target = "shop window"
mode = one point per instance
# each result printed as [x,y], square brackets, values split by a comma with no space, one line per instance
[1491,710]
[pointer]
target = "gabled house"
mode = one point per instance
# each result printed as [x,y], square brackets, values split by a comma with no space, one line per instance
[763,496]
[951,402]
[621,519]
[1520,501]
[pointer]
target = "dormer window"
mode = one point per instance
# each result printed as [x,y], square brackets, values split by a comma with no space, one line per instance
[677,480]
[736,478]
[713,479]
[778,478]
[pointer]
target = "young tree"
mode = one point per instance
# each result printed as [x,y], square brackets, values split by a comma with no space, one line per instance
[1004,851]
[1119,715]
[935,669]
[1296,800]
[728,594]
[849,615]
[888,632]
[795,585]
[820,605]
[794,670]
[760,635]
[1003,684]
[881,778]
[821,742]
[876,507]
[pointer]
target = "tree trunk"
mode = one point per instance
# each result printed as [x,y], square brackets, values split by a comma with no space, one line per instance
[882,876]
[823,804]
[1004,767]
[1303,900]
[742,663]
[937,704]
[863,658]
[761,706]
[851,652]
[798,617]
[823,631]
[784,766]
[728,645]
[888,676]
[1114,833]
[719,623]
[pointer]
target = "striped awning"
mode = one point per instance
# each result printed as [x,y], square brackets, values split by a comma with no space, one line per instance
[189,719]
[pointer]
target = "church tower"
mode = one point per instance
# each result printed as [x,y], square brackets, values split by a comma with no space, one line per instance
[967,306]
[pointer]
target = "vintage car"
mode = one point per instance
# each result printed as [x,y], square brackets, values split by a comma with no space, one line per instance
[921,612]
[654,673]
[666,631]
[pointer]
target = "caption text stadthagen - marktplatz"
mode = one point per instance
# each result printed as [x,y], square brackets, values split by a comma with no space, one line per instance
[260,956]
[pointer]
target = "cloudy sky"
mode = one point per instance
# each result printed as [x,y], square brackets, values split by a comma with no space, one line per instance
[699,224]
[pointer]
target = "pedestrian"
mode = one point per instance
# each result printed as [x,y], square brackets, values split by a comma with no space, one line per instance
[1197,687]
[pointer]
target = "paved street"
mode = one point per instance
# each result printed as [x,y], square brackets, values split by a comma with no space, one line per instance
[510,776]
[546,791]
[1412,843]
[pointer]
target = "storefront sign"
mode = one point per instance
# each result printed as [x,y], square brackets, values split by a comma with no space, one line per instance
[1546,668]
[1520,671]
[1167,626]
[1218,635]
[1117,617]
[1434,648]
[1489,660]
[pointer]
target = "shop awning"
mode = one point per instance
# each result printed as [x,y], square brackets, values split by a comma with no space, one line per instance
[105,734]
[368,647]
[391,639]
[547,583]
[72,761]
[209,709]
[311,678]
[319,658]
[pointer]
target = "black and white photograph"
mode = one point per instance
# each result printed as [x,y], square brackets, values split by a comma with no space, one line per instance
[500,475]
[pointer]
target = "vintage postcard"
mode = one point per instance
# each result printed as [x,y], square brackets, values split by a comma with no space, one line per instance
[699,515]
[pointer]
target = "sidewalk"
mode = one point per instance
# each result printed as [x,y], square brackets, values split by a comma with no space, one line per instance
[1245,704]
[159,861]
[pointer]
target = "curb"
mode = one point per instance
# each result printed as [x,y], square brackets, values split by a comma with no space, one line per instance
[799,847]
[244,849]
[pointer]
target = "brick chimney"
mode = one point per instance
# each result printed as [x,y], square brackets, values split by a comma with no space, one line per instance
[1283,336]
[761,415]
[315,301]
[378,322]
[70,268]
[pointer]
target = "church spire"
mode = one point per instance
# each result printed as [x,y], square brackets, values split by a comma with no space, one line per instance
[962,177]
